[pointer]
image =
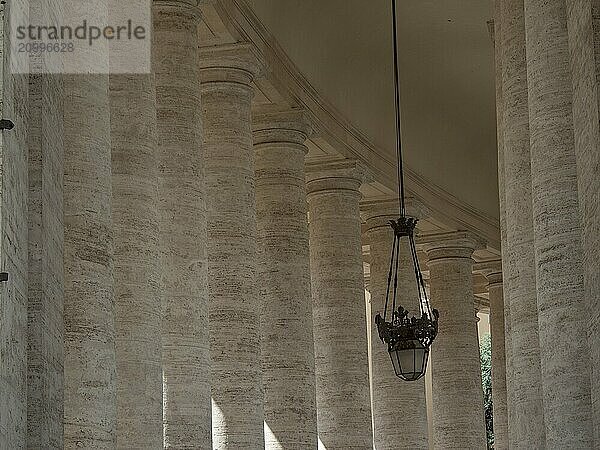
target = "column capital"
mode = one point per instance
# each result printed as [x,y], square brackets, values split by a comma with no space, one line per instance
[346,174]
[291,126]
[378,213]
[494,279]
[481,304]
[491,270]
[238,63]
[456,244]
[191,7]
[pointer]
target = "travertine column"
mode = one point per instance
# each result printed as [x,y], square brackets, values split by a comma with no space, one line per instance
[458,416]
[496,36]
[562,309]
[584,43]
[527,429]
[90,383]
[13,254]
[45,322]
[288,361]
[493,273]
[399,408]
[341,363]
[237,397]
[137,276]
[186,358]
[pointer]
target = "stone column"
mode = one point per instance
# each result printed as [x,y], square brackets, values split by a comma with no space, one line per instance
[137,273]
[227,73]
[182,216]
[399,408]
[13,255]
[496,36]
[45,322]
[288,361]
[493,273]
[584,43]
[89,367]
[562,309]
[458,416]
[341,362]
[527,429]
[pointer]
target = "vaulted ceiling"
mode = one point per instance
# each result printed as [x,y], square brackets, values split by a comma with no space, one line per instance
[343,48]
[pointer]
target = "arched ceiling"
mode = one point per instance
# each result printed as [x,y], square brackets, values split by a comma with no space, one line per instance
[343,48]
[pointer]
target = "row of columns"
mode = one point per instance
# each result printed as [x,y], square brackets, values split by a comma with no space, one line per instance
[547,97]
[196,315]
[160,174]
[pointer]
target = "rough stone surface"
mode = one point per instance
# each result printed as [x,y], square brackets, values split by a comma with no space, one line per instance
[458,419]
[562,311]
[135,227]
[341,362]
[90,383]
[13,255]
[584,43]
[399,408]
[45,325]
[499,393]
[496,37]
[186,357]
[226,74]
[528,420]
[288,361]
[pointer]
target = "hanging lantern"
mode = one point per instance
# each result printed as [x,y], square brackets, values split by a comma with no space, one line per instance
[408,338]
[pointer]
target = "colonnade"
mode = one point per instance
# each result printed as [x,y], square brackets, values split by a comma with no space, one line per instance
[213,282]
[213,292]
[547,97]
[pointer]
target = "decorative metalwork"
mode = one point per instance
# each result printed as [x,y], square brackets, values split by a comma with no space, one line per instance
[408,338]
[403,328]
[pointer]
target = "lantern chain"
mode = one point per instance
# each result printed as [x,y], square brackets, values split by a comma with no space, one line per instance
[398,113]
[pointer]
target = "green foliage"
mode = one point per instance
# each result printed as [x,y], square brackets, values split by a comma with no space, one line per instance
[486,381]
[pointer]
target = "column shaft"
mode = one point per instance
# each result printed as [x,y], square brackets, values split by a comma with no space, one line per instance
[502,203]
[137,275]
[90,382]
[399,408]
[562,312]
[185,358]
[45,322]
[499,393]
[528,418]
[13,256]
[458,418]
[341,363]
[284,282]
[584,43]
[234,308]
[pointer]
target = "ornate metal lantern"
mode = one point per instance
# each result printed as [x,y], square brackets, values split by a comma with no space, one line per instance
[408,338]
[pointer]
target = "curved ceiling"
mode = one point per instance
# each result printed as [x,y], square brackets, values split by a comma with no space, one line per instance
[343,48]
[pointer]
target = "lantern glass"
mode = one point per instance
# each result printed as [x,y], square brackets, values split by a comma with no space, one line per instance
[409,359]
